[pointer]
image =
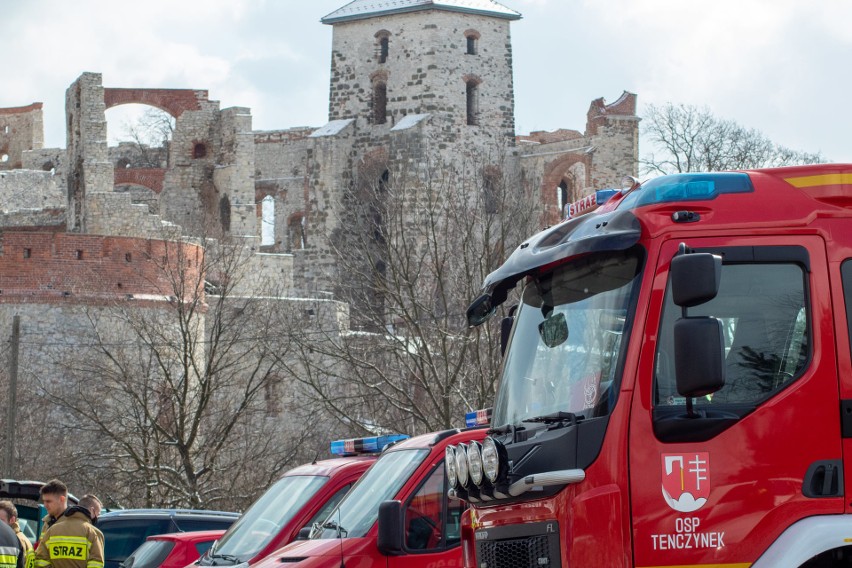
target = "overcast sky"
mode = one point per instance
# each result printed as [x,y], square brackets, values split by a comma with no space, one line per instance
[780,66]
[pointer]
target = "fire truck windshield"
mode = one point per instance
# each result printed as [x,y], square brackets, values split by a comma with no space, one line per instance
[358,511]
[566,346]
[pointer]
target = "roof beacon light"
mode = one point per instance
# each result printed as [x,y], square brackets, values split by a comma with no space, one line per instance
[356,446]
[477,418]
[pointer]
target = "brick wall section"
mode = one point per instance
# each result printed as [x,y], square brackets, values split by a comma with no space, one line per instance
[173,101]
[42,267]
[21,129]
[152,178]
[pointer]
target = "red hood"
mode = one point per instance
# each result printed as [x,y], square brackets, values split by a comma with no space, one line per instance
[320,548]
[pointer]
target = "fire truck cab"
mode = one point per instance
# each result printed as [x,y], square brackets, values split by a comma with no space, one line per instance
[677,386]
[302,496]
[397,515]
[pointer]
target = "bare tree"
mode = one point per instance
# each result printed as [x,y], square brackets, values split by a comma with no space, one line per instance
[147,138]
[417,244]
[180,404]
[689,139]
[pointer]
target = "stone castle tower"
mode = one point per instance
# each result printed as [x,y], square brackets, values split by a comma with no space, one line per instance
[450,59]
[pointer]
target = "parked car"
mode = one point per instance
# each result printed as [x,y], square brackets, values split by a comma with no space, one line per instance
[173,550]
[126,529]
[27,499]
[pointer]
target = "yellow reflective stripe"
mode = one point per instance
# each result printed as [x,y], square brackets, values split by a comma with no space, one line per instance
[69,539]
[8,559]
[94,564]
[41,563]
[808,181]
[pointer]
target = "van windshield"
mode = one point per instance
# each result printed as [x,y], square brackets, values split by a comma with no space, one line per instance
[360,508]
[267,516]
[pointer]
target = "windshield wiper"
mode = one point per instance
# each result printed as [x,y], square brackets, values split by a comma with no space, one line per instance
[341,532]
[555,417]
[227,557]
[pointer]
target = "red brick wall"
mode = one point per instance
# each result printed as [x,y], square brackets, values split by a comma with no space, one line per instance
[173,101]
[152,178]
[64,267]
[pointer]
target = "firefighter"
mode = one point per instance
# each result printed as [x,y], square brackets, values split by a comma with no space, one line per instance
[54,495]
[9,515]
[73,541]
[11,554]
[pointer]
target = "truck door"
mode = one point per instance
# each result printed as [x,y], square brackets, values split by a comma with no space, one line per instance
[432,529]
[765,450]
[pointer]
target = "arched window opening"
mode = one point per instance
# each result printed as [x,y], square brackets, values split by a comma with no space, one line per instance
[225,213]
[491,195]
[267,221]
[296,232]
[377,213]
[380,102]
[383,37]
[472,41]
[472,102]
[383,49]
[562,197]
[199,150]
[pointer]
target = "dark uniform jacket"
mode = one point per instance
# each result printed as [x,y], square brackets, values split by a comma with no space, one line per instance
[11,554]
[71,542]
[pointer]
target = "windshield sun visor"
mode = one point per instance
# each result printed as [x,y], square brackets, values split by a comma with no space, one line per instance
[612,231]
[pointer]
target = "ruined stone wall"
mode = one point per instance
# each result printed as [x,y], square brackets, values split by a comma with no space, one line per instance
[53,160]
[29,189]
[233,176]
[189,196]
[426,70]
[21,129]
[89,168]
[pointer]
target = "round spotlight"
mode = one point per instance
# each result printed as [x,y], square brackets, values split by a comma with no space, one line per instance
[490,459]
[461,464]
[474,462]
[450,464]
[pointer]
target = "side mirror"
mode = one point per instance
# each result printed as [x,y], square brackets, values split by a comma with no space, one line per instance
[391,523]
[506,329]
[699,354]
[304,533]
[695,278]
[480,310]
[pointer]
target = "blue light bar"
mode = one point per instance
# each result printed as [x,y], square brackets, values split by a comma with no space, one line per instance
[372,445]
[687,187]
[477,418]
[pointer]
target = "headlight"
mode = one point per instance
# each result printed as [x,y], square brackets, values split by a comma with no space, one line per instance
[474,463]
[490,459]
[461,464]
[450,464]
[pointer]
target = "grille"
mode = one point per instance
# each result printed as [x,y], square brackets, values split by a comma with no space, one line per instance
[515,553]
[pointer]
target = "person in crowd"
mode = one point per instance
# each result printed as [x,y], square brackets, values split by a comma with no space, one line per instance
[11,553]
[9,516]
[73,541]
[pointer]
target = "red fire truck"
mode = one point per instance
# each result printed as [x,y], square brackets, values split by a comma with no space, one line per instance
[303,496]
[677,385]
[397,515]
